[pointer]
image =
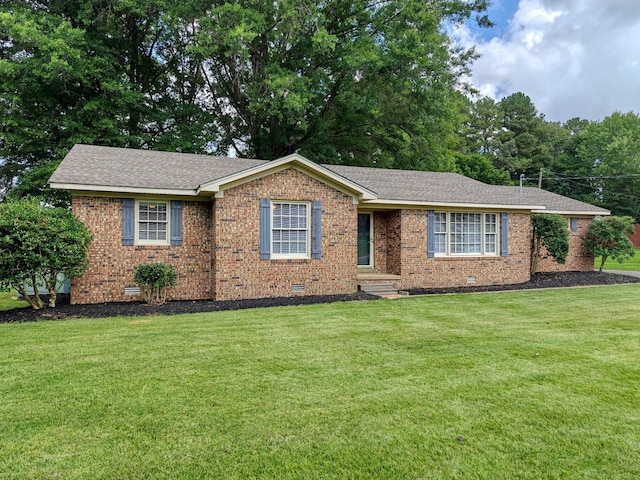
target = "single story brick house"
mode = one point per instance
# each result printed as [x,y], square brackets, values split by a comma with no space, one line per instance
[238,228]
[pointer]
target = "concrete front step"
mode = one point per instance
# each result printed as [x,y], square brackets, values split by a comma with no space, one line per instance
[379,289]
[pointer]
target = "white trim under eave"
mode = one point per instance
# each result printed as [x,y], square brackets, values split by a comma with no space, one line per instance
[381,203]
[111,189]
[573,213]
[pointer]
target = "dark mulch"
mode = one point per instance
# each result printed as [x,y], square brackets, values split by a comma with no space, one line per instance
[65,310]
[116,309]
[541,280]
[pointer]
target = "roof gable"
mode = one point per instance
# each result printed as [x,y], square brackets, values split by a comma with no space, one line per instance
[296,161]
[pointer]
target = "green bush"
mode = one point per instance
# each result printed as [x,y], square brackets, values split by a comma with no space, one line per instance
[550,231]
[608,237]
[38,243]
[154,279]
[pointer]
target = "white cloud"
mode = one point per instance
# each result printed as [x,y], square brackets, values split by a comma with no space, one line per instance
[574,58]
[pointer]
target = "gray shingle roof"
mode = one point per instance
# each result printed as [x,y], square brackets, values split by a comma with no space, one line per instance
[120,168]
[455,189]
[125,167]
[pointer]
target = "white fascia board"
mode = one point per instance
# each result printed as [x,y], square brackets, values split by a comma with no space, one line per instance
[574,213]
[418,204]
[307,166]
[111,189]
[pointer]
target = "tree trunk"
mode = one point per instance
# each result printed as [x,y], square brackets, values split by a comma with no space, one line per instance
[51,281]
[604,259]
[23,291]
[53,294]
[36,294]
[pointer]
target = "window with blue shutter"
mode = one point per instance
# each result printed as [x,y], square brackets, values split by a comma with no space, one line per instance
[176,222]
[290,229]
[150,222]
[128,221]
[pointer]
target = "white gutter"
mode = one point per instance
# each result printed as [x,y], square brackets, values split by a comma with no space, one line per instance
[117,189]
[414,203]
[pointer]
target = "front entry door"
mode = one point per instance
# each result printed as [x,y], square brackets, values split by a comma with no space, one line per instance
[365,257]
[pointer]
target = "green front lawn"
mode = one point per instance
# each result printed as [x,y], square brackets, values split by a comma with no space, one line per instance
[632,264]
[527,385]
[8,301]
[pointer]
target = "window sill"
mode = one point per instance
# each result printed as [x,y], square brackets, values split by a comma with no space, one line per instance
[454,258]
[290,260]
[163,246]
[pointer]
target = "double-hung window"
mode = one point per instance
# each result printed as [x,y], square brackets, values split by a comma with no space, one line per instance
[465,233]
[289,230]
[152,222]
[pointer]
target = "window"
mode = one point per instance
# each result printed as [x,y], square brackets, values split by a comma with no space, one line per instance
[289,230]
[440,229]
[462,233]
[152,222]
[490,234]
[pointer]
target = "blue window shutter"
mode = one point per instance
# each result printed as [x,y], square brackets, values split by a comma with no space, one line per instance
[176,222]
[265,229]
[316,229]
[128,221]
[504,229]
[574,224]
[431,234]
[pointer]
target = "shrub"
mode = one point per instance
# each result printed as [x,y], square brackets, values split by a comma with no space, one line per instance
[550,231]
[154,279]
[38,243]
[609,238]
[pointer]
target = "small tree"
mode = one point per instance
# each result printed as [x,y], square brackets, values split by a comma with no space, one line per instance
[608,238]
[154,278]
[551,232]
[37,245]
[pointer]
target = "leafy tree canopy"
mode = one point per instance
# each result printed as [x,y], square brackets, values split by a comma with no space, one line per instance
[612,148]
[356,82]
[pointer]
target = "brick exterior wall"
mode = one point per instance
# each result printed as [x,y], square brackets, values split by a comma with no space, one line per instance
[111,265]
[239,272]
[579,259]
[387,242]
[220,255]
[635,236]
[440,272]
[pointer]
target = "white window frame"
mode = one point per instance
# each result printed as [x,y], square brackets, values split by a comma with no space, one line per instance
[306,229]
[139,241]
[487,236]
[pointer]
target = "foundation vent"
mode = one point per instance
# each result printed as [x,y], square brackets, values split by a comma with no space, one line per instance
[471,279]
[297,288]
[132,290]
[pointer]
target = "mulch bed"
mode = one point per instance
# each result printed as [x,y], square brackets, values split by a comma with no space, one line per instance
[65,310]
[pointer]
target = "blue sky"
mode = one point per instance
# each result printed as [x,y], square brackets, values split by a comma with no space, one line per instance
[574,58]
[500,12]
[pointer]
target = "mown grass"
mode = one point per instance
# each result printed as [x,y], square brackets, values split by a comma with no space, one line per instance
[527,385]
[8,301]
[632,264]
